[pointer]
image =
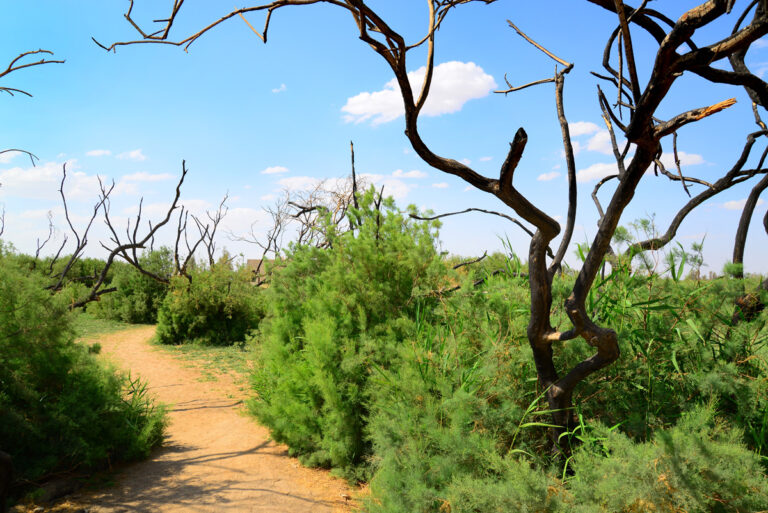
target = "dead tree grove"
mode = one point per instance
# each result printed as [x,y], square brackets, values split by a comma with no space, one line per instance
[632,116]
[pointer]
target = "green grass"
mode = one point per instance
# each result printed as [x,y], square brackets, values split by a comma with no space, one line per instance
[89,327]
[212,360]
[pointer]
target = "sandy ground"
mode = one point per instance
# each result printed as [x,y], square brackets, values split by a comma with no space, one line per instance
[214,457]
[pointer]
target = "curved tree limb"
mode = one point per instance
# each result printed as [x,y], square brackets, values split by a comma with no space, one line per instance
[745,220]
[730,179]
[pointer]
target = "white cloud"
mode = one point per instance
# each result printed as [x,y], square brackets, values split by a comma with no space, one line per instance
[98,153]
[280,89]
[440,185]
[466,162]
[394,187]
[601,143]
[453,84]
[41,213]
[123,187]
[43,181]
[582,128]
[738,204]
[577,147]
[545,177]
[485,159]
[299,183]
[267,197]
[275,170]
[6,157]
[596,171]
[760,43]
[128,183]
[415,173]
[242,220]
[158,210]
[686,159]
[147,177]
[136,155]
[556,166]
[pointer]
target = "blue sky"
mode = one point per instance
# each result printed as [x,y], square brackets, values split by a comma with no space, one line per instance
[253,119]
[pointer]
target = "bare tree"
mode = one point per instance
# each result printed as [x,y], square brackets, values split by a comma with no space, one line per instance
[634,115]
[128,247]
[302,217]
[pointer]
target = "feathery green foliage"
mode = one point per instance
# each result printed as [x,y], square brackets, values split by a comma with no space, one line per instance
[214,306]
[334,315]
[59,407]
[138,296]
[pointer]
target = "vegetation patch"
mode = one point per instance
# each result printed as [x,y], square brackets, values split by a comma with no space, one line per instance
[60,408]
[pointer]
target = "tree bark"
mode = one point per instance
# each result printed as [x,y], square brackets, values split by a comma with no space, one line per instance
[746,219]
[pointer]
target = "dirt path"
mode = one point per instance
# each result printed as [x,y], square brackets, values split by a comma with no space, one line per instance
[214,457]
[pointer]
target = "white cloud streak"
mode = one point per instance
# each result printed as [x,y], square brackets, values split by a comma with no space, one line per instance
[275,170]
[98,153]
[738,204]
[43,181]
[147,177]
[136,155]
[415,173]
[596,171]
[453,84]
[545,177]
[582,128]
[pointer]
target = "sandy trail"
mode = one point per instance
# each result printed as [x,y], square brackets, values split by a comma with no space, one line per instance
[214,458]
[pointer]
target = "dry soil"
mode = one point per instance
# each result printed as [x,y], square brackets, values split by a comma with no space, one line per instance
[214,458]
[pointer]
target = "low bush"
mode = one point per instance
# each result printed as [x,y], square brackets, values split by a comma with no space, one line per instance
[697,466]
[60,408]
[215,306]
[138,296]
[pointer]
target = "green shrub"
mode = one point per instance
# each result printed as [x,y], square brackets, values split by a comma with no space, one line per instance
[138,296]
[449,419]
[217,306]
[698,466]
[334,315]
[458,425]
[679,348]
[59,407]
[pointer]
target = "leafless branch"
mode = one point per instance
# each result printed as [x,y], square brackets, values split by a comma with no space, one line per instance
[32,156]
[81,240]
[727,181]
[470,262]
[127,249]
[680,120]
[18,63]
